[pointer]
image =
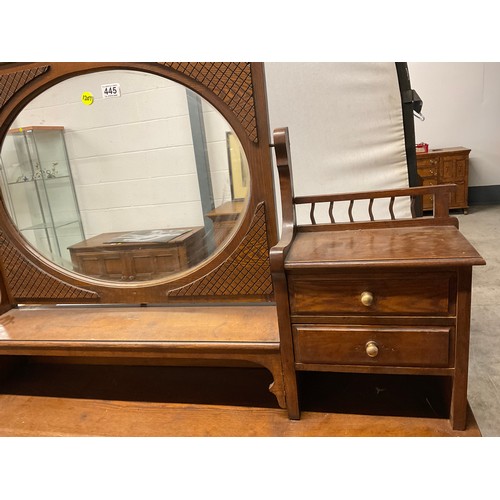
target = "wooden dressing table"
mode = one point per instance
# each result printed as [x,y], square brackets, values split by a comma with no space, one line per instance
[365,299]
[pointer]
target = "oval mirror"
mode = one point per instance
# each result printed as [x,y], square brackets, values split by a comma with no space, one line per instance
[123,175]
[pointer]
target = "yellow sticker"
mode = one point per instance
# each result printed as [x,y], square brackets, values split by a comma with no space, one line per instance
[87,98]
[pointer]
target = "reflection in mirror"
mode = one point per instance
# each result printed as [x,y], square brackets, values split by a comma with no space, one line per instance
[123,175]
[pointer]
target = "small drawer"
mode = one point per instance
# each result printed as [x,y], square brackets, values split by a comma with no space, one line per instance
[385,346]
[405,295]
[427,160]
[428,172]
[427,165]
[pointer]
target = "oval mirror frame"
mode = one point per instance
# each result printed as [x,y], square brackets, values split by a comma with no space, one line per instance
[138,186]
[238,271]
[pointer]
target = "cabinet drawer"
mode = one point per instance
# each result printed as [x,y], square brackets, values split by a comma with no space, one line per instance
[428,199]
[385,346]
[406,295]
[428,167]
[428,172]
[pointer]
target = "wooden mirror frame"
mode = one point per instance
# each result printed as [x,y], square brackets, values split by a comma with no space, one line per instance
[238,272]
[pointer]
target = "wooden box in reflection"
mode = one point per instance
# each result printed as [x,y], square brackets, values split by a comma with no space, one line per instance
[224,218]
[104,257]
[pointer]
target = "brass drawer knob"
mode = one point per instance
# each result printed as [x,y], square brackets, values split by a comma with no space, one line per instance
[371,349]
[367,299]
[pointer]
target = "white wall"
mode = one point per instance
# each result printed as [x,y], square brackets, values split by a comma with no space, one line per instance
[461,108]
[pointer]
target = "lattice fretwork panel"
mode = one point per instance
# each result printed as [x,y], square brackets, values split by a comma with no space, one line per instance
[10,83]
[246,272]
[231,82]
[28,282]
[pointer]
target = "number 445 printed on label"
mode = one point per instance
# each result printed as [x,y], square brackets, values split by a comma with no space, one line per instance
[110,90]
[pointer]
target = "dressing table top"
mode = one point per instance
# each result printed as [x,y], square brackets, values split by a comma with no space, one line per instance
[395,246]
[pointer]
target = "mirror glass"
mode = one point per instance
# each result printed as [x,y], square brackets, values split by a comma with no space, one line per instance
[123,175]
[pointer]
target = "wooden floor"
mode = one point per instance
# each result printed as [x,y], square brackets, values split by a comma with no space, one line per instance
[50,399]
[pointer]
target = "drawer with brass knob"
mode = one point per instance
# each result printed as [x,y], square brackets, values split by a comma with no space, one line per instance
[372,345]
[386,295]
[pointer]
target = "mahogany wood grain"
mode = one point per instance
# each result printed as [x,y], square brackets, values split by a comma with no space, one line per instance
[397,246]
[374,320]
[393,293]
[277,255]
[439,194]
[440,191]
[69,417]
[228,324]
[375,369]
[379,224]
[460,379]
[396,346]
[286,343]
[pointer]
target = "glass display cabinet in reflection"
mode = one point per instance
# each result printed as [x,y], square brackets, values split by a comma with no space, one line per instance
[38,190]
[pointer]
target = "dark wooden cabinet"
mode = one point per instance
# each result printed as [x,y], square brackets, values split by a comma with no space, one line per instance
[446,166]
[128,261]
[406,316]
[375,297]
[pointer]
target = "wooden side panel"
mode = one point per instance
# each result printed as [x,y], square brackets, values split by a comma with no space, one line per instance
[28,283]
[13,81]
